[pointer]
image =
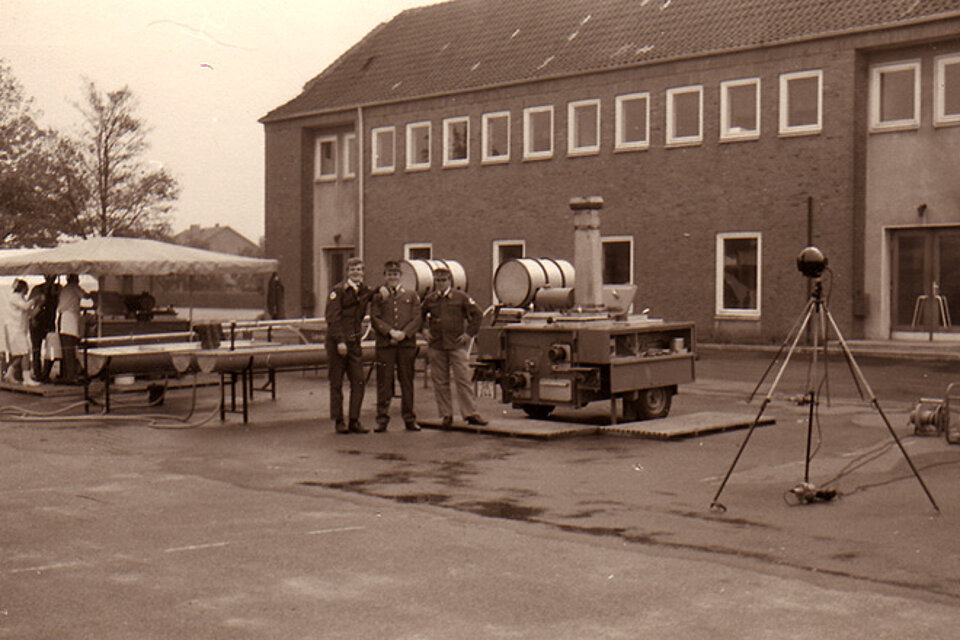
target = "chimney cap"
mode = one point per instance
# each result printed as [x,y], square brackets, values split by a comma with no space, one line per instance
[589,202]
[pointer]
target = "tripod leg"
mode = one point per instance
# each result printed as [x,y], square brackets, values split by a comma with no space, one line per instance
[783,345]
[857,373]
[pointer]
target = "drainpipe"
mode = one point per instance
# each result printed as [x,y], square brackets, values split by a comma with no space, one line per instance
[360,176]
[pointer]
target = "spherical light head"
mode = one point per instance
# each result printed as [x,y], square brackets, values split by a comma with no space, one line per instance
[811,262]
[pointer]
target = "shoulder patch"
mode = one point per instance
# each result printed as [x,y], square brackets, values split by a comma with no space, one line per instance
[333,295]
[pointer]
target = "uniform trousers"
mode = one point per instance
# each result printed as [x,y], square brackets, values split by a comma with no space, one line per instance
[350,364]
[443,363]
[399,361]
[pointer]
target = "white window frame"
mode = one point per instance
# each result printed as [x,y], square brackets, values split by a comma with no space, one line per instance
[318,175]
[631,145]
[349,151]
[412,163]
[674,140]
[485,138]
[528,153]
[742,314]
[619,239]
[574,148]
[876,71]
[496,265]
[726,133]
[375,140]
[786,129]
[448,123]
[941,119]
[410,246]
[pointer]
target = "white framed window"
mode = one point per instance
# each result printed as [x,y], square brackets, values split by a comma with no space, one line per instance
[495,137]
[384,150]
[349,156]
[538,133]
[617,259]
[946,90]
[325,159]
[583,127]
[632,120]
[685,116]
[895,96]
[418,146]
[740,109]
[738,275]
[801,103]
[417,251]
[456,142]
[504,250]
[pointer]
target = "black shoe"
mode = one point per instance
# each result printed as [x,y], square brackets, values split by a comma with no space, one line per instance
[446,422]
[341,427]
[475,419]
[413,426]
[381,427]
[356,427]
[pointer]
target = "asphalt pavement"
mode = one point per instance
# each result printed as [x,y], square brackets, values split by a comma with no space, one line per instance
[165,522]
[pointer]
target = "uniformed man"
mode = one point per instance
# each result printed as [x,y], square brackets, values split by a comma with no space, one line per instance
[346,307]
[453,318]
[396,319]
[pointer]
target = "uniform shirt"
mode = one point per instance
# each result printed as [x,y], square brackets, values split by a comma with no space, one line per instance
[450,314]
[346,307]
[399,309]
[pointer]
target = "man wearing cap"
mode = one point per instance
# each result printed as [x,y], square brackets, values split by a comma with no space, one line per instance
[453,318]
[346,307]
[395,315]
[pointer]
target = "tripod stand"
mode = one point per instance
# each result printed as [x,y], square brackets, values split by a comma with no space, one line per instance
[816,314]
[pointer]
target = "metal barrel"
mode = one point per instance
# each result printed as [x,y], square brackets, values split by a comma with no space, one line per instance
[417,274]
[517,280]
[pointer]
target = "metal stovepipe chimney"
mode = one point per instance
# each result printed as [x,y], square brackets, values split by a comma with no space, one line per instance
[587,253]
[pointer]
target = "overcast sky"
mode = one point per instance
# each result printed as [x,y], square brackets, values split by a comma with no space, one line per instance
[203,71]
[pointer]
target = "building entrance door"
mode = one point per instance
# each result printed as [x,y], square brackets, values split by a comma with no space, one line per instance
[926,280]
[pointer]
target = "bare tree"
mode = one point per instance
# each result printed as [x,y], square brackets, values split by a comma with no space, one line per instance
[128,196]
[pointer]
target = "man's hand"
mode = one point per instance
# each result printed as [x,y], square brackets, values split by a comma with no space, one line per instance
[397,335]
[384,292]
[342,348]
[462,339]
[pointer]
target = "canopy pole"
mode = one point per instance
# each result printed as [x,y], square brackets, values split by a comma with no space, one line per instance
[190,299]
[99,307]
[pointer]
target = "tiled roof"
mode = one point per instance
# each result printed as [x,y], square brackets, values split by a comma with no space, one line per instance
[467,44]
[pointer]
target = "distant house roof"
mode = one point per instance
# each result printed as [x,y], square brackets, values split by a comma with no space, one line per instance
[469,44]
[221,238]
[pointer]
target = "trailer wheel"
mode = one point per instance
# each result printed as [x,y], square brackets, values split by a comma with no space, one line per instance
[650,404]
[537,411]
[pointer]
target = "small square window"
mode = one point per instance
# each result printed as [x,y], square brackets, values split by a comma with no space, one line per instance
[947,90]
[738,275]
[456,142]
[325,163]
[740,109]
[384,150]
[417,251]
[418,146]
[496,137]
[632,122]
[349,155]
[895,96]
[538,133]
[583,128]
[801,103]
[684,116]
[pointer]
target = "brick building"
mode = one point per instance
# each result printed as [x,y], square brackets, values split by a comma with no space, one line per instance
[723,137]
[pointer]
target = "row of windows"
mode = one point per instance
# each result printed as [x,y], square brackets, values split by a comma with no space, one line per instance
[894,105]
[737,272]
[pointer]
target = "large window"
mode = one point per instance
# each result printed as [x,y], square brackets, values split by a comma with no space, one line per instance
[895,96]
[456,142]
[947,90]
[538,133]
[384,150]
[496,137]
[738,275]
[801,103]
[350,155]
[740,109]
[418,146]
[504,250]
[684,116]
[417,251]
[632,122]
[618,260]
[583,128]
[325,161]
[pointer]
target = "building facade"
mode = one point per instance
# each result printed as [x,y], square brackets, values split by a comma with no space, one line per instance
[723,138]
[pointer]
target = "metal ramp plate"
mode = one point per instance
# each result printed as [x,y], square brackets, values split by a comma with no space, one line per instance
[685,426]
[519,427]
